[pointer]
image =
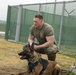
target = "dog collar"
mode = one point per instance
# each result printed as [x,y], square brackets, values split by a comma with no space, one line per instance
[32,59]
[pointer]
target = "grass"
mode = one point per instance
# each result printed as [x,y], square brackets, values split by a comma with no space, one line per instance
[10,62]
[70,55]
[2,27]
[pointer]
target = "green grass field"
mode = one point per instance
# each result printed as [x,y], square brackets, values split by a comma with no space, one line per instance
[2,27]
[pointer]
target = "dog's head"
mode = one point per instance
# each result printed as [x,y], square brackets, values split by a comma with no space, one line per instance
[28,51]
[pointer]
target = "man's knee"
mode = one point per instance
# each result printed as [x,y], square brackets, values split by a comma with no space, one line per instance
[51,52]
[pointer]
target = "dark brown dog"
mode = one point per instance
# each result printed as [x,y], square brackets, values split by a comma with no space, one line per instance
[38,65]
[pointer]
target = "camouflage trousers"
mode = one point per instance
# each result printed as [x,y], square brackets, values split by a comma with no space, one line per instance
[50,51]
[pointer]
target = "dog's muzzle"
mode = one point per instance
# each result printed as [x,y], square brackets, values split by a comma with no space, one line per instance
[24,55]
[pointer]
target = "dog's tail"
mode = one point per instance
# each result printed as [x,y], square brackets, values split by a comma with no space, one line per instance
[57,70]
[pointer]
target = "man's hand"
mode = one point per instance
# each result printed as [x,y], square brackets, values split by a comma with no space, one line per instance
[30,40]
[36,47]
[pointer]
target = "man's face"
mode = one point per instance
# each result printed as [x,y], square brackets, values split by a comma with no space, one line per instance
[37,22]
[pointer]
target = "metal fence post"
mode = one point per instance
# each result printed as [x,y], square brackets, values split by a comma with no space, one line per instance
[61,24]
[8,23]
[54,12]
[39,8]
[18,23]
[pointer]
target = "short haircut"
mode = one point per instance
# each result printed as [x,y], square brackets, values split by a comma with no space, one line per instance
[39,16]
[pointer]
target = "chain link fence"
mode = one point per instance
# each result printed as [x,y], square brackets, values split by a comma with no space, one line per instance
[61,15]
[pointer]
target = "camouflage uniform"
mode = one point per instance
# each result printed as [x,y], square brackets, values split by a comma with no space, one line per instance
[40,35]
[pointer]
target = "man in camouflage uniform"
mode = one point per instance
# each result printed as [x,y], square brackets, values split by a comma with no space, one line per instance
[44,34]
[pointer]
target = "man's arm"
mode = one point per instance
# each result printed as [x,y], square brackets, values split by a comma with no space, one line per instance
[30,39]
[50,42]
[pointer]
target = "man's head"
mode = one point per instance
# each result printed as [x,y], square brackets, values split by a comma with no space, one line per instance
[38,21]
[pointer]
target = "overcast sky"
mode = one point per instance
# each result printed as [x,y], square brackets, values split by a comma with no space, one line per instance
[4,5]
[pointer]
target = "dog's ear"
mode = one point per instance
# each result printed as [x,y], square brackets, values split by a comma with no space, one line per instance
[32,47]
[28,45]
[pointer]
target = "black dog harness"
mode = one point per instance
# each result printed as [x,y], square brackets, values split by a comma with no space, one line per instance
[42,61]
